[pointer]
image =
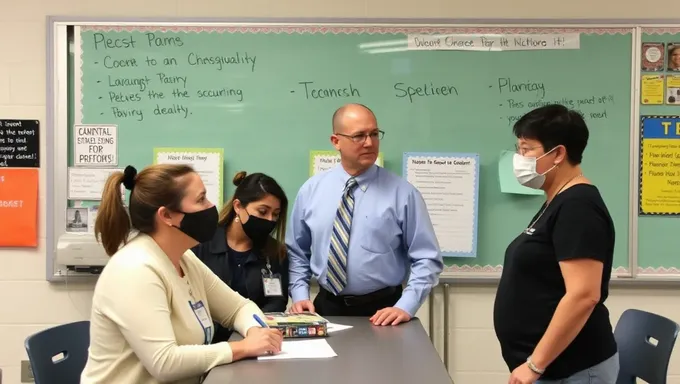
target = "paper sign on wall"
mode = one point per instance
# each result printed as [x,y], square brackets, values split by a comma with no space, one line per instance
[449,184]
[88,183]
[95,145]
[207,162]
[18,207]
[77,220]
[659,178]
[320,161]
[494,42]
[19,143]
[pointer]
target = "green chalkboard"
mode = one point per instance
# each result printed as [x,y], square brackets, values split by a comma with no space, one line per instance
[658,239]
[266,95]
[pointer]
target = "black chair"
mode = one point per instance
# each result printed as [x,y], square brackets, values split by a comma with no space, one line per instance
[645,342]
[58,355]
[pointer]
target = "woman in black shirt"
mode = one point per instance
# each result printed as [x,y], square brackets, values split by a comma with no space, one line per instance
[549,312]
[243,252]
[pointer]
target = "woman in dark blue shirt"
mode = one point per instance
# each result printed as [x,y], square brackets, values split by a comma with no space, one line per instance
[248,250]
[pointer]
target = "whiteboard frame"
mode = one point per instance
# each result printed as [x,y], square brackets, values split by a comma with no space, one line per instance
[57,113]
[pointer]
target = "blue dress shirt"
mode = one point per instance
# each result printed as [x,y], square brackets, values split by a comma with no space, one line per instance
[391,231]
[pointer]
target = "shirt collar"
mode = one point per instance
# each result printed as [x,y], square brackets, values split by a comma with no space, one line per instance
[363,180]
[218,244]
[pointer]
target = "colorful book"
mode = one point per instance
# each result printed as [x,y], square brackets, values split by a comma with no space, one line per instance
[297,325]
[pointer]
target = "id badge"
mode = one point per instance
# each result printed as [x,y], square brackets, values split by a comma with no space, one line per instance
[204,319]
[272,285]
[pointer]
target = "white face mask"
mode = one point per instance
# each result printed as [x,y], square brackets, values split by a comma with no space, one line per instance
[525,170]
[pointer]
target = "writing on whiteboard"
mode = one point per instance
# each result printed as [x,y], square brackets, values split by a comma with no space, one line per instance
[493,42]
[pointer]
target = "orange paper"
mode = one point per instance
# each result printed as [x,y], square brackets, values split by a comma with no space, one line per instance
[18,207]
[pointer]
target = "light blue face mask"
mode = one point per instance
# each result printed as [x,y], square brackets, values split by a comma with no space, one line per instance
[524,169]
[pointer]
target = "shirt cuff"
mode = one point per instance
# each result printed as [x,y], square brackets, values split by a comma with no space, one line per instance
[408,303]
[244,318]
[299,293]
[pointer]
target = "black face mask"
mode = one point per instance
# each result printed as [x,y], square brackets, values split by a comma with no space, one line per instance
[258,229]
[200,225]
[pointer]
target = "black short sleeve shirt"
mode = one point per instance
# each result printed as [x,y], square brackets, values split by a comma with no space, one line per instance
[576,224]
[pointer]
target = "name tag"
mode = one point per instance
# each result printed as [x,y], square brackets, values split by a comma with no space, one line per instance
[272,286]
[204,319]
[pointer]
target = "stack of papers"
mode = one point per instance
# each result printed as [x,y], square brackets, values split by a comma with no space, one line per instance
[332,327]
[303,349]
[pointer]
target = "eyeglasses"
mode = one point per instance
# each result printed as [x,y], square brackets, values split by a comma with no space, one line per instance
[360,138]
[524,150]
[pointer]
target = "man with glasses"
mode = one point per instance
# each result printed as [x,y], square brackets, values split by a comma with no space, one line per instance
[361,230]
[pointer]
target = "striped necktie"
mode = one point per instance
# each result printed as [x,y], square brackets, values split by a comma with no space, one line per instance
[336,274]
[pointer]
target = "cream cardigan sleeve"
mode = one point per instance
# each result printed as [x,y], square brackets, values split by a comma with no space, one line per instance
[226,306]
[140,309]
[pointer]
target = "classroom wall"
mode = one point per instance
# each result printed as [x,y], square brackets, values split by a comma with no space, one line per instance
[30,304]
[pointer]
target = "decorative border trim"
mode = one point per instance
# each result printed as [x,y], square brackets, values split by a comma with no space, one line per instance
[641,162]
[499,268]
[660,30]
[658,271]
[353,29]
[473,268]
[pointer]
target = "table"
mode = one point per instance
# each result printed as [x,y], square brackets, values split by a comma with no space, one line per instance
[366,354]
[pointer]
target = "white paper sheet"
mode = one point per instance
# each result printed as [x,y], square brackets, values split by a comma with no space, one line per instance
[303,349]
[207,162]
[449,184]
[332,327]
[88,183]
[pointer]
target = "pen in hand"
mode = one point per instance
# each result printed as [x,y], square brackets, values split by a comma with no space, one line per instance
[260,321]
[263,325]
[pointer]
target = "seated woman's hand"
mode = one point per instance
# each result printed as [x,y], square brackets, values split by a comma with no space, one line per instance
[262,341]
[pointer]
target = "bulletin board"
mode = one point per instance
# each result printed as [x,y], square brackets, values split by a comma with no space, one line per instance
[263,93]
[659,102]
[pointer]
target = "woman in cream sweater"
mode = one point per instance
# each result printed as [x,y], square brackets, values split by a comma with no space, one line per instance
[155,302]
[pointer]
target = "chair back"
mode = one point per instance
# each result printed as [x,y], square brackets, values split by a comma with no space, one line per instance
[58,354]
[645,342]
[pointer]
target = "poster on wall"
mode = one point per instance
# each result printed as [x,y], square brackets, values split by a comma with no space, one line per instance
[659,192]
[19,143]
[207,162]
[673,89]
[95,145]
[19,207]
[449,184]
[653,57]
[652,89]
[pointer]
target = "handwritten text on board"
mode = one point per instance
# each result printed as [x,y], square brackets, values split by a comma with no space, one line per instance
[493,42]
